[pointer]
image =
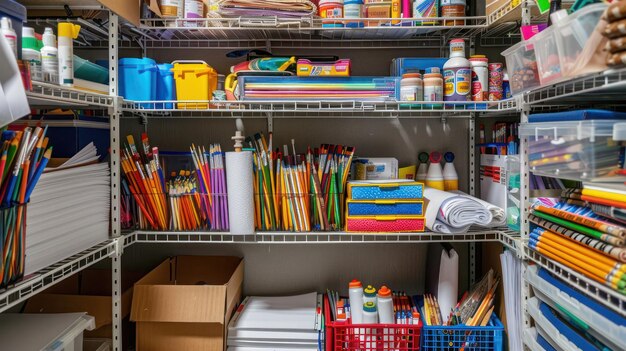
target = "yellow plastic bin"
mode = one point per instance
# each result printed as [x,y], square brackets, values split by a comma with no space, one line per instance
[195,80]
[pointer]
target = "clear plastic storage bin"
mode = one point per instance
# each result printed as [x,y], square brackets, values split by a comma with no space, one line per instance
[578,150]
[573,32]
[547,53]
[521,66]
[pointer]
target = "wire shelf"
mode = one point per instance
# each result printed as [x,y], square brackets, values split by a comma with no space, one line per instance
[142,236]
[54,96]
[603,294]
[53,274]
[304,32]
[330,108]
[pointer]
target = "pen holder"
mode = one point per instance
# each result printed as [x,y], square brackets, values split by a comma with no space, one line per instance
[181,212]
[344,336]
[458,337]
[299,212]
[13,230]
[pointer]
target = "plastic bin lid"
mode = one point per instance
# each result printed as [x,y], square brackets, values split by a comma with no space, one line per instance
[137,61]
[13,9]
[581,129]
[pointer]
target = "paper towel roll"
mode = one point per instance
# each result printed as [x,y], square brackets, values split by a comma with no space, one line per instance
[240,186]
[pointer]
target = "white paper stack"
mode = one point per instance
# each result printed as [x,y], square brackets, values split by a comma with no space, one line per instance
[276,323]
[512,281]
[44,331]
[69,210]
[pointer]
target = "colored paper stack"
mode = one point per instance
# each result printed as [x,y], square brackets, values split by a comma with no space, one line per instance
[385,206]
[581,232]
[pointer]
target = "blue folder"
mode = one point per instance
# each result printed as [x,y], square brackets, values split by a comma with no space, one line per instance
[576,115]
[565,329]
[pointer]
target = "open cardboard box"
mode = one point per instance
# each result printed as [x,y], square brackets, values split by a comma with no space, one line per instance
[186,303]
[87,291]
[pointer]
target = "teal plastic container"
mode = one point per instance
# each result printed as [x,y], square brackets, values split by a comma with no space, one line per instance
[90,71]
[165,87]
[138,80]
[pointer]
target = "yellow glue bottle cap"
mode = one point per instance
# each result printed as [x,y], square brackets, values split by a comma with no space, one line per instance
[369,291]
[67,29]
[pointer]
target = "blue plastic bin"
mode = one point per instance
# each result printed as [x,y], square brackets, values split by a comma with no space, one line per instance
[166,89]
[138,80]
[16,13]
[487,338]
[385,207]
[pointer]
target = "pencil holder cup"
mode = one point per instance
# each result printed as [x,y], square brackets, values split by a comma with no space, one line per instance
[299,212]
[13,231]
[457,337]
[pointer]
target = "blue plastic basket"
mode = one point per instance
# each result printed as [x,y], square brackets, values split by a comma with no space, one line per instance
[444,338]
[138,79]
[165,87]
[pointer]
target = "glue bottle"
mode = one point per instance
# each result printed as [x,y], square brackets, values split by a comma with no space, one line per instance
[450,178]
[30,52]
[370,316]
[7,32]
[67,33]
[422,169]
[434,178]
[369,294]
[355,293]
[385,305]
[49,54]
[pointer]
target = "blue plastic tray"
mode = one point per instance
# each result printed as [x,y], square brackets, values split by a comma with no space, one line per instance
[385,191]
[487,338]
[385,207]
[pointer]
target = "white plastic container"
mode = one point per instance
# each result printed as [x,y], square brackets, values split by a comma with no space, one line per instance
[571,35]
[547,54]
[457,74]
[552,295]
[31,54]
[542,322]
[578,150]
[67,33]
[50,56]
[411,87]
[7,32]
[194,9]
[355,292]
[385,306]
[370,313]
[521,64]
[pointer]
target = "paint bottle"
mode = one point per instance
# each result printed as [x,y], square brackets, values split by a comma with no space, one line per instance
[385,306]
[411,87]
[193,9]
[169,8]
[50,56]
[369,294]
[457,73]
[7,32]
[453,8]
[370,314]
[480,77]
[422,169]
[67,33]
[425,9]
[355,293]
[450,177]
[31,54]
[433,87]
[434,178]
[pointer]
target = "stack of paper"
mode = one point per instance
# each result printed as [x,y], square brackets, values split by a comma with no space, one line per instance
[512,281]
[39,331]
[276,323]
[68,210]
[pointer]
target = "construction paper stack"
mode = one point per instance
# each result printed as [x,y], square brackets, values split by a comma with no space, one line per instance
[581,232]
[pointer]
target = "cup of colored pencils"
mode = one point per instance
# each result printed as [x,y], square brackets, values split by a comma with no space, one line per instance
[25,155]
[299,192]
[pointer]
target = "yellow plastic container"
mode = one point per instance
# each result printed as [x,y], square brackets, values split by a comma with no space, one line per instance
[195,80]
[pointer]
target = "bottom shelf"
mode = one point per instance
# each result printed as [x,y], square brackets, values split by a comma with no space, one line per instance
[51,275]
[603,294]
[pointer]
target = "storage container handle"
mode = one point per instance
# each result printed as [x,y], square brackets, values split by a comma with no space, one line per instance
[388,186]
[537,129]
[385,218]
[189,61]
[384,202]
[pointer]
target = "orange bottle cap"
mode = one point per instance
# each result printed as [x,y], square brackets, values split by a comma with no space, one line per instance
[384,291]
[355,284]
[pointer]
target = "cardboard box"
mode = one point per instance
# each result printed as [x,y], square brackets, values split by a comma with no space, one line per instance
[87,291]
[186,303]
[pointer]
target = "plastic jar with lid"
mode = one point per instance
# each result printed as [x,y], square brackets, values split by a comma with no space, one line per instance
[433,87]
[353,9]
[331,9]
[480,77]
[411,87]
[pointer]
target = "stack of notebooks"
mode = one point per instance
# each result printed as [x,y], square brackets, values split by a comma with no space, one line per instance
[68,211]
[578,235]
[276,323]
[385,206]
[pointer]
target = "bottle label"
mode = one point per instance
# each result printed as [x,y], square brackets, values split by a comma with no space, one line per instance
[433,93]
[413,93]
[463,81]
[457,82]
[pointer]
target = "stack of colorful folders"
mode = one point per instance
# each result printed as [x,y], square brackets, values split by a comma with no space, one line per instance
[385,206]
[299,192]
[577,237]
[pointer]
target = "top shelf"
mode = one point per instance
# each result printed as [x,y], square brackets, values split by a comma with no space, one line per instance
[305,32]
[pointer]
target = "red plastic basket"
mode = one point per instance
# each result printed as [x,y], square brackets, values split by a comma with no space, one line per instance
[342,336]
